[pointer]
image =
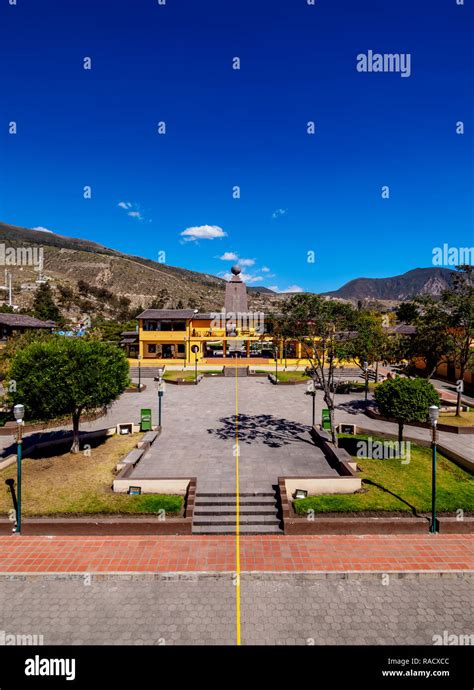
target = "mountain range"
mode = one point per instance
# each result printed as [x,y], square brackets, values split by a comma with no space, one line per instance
[419,281]
[71,262]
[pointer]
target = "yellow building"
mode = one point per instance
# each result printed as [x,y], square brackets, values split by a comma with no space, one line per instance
[183,336]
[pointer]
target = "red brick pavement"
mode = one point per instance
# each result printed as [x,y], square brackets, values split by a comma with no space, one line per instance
[217,554]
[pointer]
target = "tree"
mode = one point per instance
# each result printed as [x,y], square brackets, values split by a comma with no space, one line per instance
[405,400]
[407,312]
[369,342]
[322,327]
[16,343]
[180,304]
[66,296]
[432,341]
[44,306]
[458,300]
[68,376]
[161,300]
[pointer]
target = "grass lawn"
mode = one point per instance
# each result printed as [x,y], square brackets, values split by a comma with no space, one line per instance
[174,375]
[79,485]
[285,375]
[387,485]
[188,375]
[464,419]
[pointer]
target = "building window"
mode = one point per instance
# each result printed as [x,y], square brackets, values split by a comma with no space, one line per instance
[150,326]
[181,349]
[152,349]
[172,325]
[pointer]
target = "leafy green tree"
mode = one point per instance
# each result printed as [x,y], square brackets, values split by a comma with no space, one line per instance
[405,400]
[68,376]
[458,300]
[432,341]
[6,309]
[44,306]
[66,296]
[16,343]
[407,312]
[369,342]
[323,328]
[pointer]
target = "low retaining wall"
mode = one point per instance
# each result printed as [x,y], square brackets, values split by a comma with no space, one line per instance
[10,428]
[135,389]
[448,428]
[460,460]
[29,450]
[316,486]
[338,458]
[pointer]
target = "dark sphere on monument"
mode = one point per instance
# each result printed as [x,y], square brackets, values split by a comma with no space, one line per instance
[236,270]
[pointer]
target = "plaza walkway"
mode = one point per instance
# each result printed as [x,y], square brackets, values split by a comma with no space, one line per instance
[199,434]
[275,609]
[328,553]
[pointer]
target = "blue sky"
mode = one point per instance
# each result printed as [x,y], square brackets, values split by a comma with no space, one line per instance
[300,193]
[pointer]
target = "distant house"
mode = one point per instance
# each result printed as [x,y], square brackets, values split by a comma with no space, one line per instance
[11,324]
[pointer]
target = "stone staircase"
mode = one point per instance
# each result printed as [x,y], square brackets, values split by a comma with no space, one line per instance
[241,371]
[146,372]
[216,513]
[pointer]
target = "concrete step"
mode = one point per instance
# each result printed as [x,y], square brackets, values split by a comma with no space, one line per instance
[236,371]
[231,520]
[232,510]
[244,529]
[216,513]
[245,495]
[269,503]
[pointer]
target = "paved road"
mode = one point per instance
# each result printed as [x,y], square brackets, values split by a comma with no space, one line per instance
[199,433]
[276,609]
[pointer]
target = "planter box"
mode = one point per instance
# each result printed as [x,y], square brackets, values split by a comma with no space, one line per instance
[107,526]
[324,524]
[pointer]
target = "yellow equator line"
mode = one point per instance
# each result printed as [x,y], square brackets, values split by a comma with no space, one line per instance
[237,514]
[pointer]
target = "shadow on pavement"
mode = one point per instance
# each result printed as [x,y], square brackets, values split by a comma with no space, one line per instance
[264,428]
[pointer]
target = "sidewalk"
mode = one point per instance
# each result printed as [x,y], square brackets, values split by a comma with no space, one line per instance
[326,553]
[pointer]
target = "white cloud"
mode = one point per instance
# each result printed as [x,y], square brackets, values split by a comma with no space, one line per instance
[203,232]
[229,256]
[133,209]
[265,269]
[40,228]
[279,212]
[291,288]
[232,256]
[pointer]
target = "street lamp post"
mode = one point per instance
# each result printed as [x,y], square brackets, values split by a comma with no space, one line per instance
[311,390]
[366,374]
[276,363]
[195,350]
[19,413]
[434,414]
[139,357]
[160,392]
